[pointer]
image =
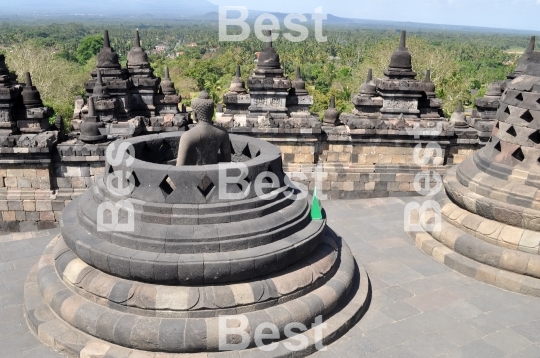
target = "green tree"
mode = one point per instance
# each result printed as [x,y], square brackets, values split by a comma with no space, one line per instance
[88,48]
[57,79]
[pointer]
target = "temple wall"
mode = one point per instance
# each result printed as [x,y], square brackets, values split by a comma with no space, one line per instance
[33,192]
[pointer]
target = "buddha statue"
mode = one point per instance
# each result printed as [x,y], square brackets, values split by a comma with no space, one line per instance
[204,144]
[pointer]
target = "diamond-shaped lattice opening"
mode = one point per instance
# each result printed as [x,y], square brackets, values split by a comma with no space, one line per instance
[241,152]
[519,97]
[527,116]
[490,139]
[246,179]
[167,185]
[535,137]
[269,170]
[507,110]
[518,154]
[497,146]
[137,182]
[246,151]
[497,125]
[206,186]
[111,169]
[254,150]
[512,131]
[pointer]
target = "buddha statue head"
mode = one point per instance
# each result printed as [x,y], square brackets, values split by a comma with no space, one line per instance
[203,107]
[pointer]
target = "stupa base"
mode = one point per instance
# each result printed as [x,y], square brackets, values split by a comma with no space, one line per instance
[45,298]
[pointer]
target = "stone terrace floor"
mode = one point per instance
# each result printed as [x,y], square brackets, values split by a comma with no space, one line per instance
[420,308]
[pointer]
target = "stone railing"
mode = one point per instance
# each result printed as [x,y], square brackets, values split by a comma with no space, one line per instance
[36,184]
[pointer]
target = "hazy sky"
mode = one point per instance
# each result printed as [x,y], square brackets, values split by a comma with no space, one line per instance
[513,14]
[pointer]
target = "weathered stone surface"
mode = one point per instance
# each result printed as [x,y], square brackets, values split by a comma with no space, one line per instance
[139,285]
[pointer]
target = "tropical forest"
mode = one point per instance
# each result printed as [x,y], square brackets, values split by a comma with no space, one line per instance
[60,57]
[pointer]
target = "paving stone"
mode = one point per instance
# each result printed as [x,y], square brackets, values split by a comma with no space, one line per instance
[379,267]
[507,340]
[13,346]
[41,352]
[354,347]
[399,311]
[530,351]
[400,276]
[479,348]
[13,327]
[418,287]
[462,310]
[394,334]
[428,270]
[379,300]
[430,345]
[488,303]
[396,293]
[530,330]
[432,300]
[400,351]
[374,319]
[461,333]
[514,315]
[325,354]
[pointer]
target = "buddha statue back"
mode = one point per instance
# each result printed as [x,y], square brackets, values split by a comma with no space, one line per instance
[204,144]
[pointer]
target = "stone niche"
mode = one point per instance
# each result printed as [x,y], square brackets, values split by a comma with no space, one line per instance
[159,282]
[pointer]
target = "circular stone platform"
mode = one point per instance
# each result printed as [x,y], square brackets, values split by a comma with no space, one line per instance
[190,257]
[491,206]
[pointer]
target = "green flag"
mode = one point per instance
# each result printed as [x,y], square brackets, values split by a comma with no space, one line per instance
[316,210]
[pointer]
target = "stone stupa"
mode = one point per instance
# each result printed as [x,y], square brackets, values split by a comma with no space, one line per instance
[132,100]
[156,281]
[391,104]
[272,100]
[490,216]
[484,116]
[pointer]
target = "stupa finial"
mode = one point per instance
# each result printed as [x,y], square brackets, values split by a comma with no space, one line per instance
[91,109]
[28,80]
[269,43]
[137,39]
[532,44]
[403,40]
[106,41]
[166,76]
[238,72]
[459,108]
[369,77]
[428,76]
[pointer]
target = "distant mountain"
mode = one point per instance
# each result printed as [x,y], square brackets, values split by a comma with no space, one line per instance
[110,8]
[155,11]
[337,21]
